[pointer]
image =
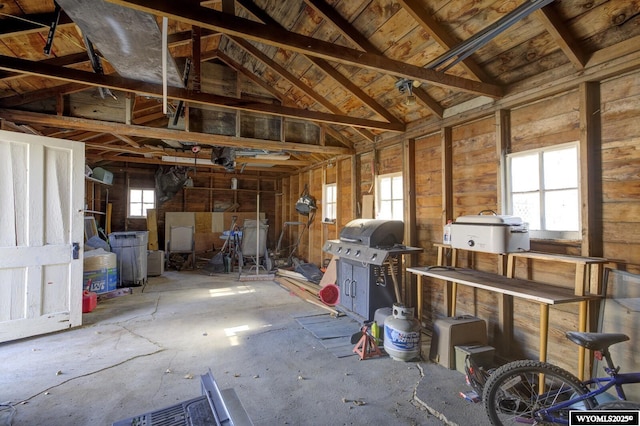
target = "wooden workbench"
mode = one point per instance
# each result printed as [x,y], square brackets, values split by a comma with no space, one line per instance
[544,294]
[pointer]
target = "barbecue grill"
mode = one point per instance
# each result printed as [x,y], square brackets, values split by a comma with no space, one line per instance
[369,265]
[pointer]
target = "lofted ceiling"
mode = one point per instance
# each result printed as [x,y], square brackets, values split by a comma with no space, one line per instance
[286,84]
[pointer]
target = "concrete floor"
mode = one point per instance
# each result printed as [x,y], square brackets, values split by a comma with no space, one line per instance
[145,351]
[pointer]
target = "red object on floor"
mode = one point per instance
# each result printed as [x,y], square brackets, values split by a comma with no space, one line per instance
[89,301]
[330,294]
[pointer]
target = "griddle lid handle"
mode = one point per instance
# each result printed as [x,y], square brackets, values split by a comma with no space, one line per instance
[482,212]
[351,240]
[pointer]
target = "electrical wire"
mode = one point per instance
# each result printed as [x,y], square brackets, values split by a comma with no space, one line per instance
[6,406]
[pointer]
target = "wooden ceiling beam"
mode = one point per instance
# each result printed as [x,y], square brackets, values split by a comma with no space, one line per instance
[150,89]
[38,95]
[275,36]
[19,117]
[260,56]
[442,37]
[251,76]
[159,161]
[327,68]
[31,23]
[347,30]
[559,31]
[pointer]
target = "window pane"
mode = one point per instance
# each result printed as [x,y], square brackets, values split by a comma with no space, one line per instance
[135,195]
[524,173]
[398,210]
[385,189]
[527,206]
[385,210]
[332,211]
[148,196]
[396,189]
[562,212]
[135,209]
[561,168]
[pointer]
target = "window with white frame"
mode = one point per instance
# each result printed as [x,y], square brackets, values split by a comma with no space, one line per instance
[141,200]
[543,189]
[389,196]
[330,203]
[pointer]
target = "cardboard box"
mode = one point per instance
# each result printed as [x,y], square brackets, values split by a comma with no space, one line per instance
[482,355]
[452,331]
[155,263]
[101,280]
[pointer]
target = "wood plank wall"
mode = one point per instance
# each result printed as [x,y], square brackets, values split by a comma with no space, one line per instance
[211,192]
[475,186]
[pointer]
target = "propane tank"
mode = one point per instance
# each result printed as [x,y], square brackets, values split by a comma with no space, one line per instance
[402,334]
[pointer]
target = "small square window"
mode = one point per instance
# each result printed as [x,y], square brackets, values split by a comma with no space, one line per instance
[544,191]
[390,197]
[141,200]
[330,203]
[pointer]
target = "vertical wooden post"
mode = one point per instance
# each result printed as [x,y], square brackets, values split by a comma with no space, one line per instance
[505,302]
[447,205]
[447,174]
[503,146]
[590,169]
[590,191]
[410,221]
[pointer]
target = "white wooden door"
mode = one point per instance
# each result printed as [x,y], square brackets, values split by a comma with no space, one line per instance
[41,217]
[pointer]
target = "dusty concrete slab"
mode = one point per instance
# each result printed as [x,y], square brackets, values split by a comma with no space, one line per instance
[145,351]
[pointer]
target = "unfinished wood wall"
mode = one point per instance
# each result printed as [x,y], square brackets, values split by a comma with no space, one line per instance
[211,192]
[475,169]
[620,106]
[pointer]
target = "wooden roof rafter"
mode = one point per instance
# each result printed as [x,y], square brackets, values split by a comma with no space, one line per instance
[294,81]
[275,36]
[358,39]
[442,37]
[560,33]
[150,89]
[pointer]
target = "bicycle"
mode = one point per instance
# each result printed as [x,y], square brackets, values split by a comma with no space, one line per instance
[536,392]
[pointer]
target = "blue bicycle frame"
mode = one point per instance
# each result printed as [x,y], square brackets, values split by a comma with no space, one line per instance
[603,384]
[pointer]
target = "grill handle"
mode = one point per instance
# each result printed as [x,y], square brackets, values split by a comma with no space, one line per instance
[347,287]
[351,240]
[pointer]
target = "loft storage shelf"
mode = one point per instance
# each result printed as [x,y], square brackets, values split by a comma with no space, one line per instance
[231,189]
[90,179]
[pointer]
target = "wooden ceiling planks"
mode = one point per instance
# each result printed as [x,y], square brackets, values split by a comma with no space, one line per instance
[534,51]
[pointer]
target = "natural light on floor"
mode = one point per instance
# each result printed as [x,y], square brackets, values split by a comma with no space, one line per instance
[229,291]
[231,333]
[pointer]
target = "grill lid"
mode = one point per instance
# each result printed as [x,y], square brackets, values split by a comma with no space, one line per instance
[373,232]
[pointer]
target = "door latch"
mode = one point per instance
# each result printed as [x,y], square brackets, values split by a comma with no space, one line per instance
[75,250]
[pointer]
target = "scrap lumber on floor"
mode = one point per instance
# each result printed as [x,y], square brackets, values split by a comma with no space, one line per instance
[307,291]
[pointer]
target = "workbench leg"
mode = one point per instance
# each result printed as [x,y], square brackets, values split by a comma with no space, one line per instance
[505,323]
[450,290]
[582,275]
[582,326]
[544,330]
[419,297]
[544,337]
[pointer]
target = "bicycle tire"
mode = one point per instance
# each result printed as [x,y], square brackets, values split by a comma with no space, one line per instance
[511,394]
[619,405]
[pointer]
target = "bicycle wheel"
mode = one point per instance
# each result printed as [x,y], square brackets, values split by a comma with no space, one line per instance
[511,395]
[619,405]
